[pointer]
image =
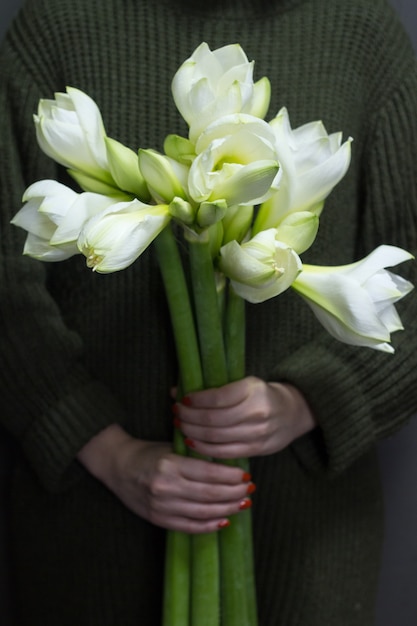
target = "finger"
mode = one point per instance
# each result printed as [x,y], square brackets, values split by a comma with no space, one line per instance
[203,493]
[220,397]
[199,470]
[243,432]
[253,405]
[190,526]
[200,511]
[232,450]
[232,416]
[220,417]
[201,481]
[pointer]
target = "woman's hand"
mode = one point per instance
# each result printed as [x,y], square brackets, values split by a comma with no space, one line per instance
[243,419]
[175,492]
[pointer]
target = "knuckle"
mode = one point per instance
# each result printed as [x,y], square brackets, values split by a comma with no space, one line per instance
[254,384]
[261,412]
[263,430]
[210,493]
[164,466]
[157,487]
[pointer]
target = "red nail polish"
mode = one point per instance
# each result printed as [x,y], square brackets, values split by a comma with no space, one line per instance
[251,488]
[246,477]
[186,400]
[246,503]
[189,442]
[177,422]
[175,408]
[223,524]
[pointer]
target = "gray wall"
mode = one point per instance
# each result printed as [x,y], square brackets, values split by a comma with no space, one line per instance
[397,601]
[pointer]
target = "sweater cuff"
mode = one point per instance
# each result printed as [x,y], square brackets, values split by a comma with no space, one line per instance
[345,429]
[52,442]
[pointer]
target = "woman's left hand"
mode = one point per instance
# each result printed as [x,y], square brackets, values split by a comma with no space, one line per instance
[246,418]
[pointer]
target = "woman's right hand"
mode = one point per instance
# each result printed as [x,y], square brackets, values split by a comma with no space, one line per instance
[175,492]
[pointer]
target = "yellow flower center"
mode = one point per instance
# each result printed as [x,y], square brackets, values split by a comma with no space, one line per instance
[93,259]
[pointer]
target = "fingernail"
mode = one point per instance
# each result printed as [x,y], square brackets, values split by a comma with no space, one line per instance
[246,503]
[189,442]
[186,400]
[175,408]
[251,488]
[223,524]
[246,477]
[177,422]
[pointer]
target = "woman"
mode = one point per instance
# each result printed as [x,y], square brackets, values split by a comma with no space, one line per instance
[88,359]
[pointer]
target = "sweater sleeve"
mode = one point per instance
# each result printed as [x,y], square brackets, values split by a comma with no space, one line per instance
[50,403]
[360,395]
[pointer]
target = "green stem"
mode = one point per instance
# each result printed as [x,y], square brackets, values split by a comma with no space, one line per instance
[238,604]
[234,333]
[177,579]
[206,304]
[176,608]
[236,552]
[237,566]
[205,549]
[182,318]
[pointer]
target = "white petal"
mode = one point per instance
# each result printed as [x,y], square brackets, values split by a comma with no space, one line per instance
[238,123]
[65,144]
[249,184]
[124,168]
[345,333]
[164,176]
[40,249]
[261,98]
[383,256]
[86,206]
[34,222]
[240,266]
[90,120]
[298,230]
[344,299]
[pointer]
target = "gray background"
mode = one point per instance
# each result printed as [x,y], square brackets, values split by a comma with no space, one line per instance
[397,600]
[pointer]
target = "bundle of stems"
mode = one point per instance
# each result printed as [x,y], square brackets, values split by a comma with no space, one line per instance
[209,579]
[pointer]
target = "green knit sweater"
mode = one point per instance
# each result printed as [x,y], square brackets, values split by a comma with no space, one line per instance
[80,351]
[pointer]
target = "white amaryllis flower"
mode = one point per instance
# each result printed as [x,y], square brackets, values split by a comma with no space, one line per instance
[261,268]
[236,161]
[70,130]
[355,303]
[211,84]
[116,237]
[311,164]
[54,215]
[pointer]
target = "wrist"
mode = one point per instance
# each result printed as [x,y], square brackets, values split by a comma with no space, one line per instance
[297,409]
[306,419]
[99,455]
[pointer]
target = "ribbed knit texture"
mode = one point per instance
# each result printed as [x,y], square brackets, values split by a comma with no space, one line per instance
[80,351]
